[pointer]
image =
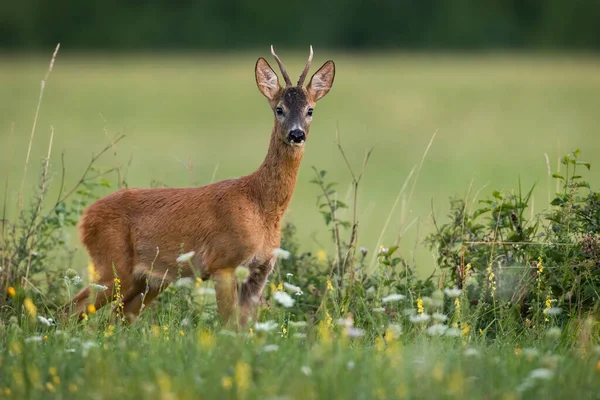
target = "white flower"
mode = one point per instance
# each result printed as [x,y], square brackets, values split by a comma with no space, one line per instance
[76,279]
[541,373]
[45,321]
[284,299]
[33,339]
[185,257]
[70,350]
[289,275]
[351,365]
[270,348]
[265,326]
[184,282]
[299,335]
[206,291]
[348,322]
[440,317]
[452,293]
[98,287]
[306,370]
[280,253]
[553,311]
[292,288]
[383,249]
[453,332]
[436,330]
[354,332]
[471,352]
[298,324]
[419,318]
[553,333]
[393,297]
[379,309]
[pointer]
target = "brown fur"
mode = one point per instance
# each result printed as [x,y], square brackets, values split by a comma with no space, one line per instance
[137,234]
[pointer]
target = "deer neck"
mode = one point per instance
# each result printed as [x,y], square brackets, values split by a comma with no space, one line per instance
[272,185]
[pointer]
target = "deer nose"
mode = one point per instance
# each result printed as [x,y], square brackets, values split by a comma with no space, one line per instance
[296,136]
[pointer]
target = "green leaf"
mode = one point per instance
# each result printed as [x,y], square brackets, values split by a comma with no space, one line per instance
[558,201]
[586,164]
[497,194]
[558,176]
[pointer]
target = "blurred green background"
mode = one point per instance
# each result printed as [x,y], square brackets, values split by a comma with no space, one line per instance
[480,74]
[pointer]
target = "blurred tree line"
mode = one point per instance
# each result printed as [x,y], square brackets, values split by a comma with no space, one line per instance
[349,24]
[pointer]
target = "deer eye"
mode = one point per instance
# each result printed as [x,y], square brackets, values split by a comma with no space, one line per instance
[279,111]
[309,112]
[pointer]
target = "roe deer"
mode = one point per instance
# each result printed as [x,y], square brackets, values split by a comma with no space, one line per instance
[226,224]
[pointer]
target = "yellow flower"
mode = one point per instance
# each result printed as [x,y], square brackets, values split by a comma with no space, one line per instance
[329,285]
[466,330]
[52,371]
[50,387]
[155,330]
[206,339]
[491,277]
[91,309]
[7,392]
[438,372]
[72,387]
[540,267]
[56,379]
[226,382]
[242,377]
[322,255]
[45,337]
[109,331]
[93,275]
[11,291]
[379,344]
[518,351]
[598,366]
[280,287]
[84,316]
[181,333]
[30,307]
[329,319]
[198,282]
[420,309]
[251,331]
[469,267]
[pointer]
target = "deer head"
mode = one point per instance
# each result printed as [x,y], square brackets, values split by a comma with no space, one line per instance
[293,106]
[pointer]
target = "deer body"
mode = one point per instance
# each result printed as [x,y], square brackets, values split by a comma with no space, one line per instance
[137,234]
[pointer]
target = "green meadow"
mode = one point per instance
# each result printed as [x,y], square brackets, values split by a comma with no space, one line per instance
[505,306]
[189,119]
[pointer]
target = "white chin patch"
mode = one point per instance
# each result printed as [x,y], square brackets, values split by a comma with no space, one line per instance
[297,144]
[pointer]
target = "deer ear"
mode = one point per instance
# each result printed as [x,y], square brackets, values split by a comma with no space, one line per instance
[322,81]
[266,79]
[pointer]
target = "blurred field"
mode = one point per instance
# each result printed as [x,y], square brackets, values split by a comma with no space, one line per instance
[496,116]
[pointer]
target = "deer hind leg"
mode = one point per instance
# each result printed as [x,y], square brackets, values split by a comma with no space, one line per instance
[252,289]
[140,296]
[226,292]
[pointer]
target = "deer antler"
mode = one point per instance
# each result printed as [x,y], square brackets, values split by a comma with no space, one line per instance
[303,76]
[288,82]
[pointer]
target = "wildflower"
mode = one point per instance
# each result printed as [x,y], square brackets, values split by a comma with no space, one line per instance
[322,255]
[436,330]
[206,291]
[378,310]
[198,282]
[530,353]
[284,299]
[383,249]
[354,332]
[206,339]
[298,324]
[553,333]
[329,285]
[452,293]
[363,251]
[420,309]
[471,352]
[598,366]
[184,282]
[45,336]
[270,348]
[280,253]
[306,370]
[11,291]
[226,382]
[452,332]
[393,297]
[72,388]
[242,273]
[419,318]
[91,309]
[540,267]
[265,326]
[34,339]
[242,377]
[328,317]
[30,307]
[50,387]
[541,374]
[393,331]
[552,311]
[466,330]
[185,257]
[98,287]
[439,317]
[109,330]
[350,365]
[292,288]
[518,351]
[45,321]
[181,333]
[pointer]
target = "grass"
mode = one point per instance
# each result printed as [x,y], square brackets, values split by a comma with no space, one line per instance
[495,118]
[191,118]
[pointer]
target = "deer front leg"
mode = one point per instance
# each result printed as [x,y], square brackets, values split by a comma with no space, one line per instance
[252,289]
[226,292]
